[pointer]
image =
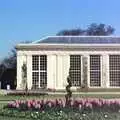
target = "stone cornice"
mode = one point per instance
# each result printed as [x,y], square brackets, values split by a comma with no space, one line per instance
[69,47]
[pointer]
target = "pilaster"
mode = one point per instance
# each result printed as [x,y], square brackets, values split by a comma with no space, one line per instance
[51,71]
[29,71]
[59,81]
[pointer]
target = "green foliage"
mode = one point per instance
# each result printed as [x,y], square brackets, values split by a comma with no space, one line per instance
[65,114]
[73,32]
[10,61]
[99,29]
[93,29]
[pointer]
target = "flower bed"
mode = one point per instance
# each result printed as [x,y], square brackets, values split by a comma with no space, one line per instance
[79,109]
[79,104]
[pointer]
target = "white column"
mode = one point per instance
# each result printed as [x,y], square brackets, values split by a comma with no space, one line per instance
[59,82]
[20,60]
[102,69]
[87,63]
[29,71]
[66,67]
[19,74]
[105,71]
[51,71]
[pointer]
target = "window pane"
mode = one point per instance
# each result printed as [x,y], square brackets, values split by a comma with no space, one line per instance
[43,79]
[35,62]
[35,79]
[114,70]
[95,72]
[75,62]
[76,78]
[114,78]
[43,62]
[75,69]
[95,78]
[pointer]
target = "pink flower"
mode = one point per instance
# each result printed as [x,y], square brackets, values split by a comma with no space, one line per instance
[29,104]
[37,106]
[79,106]
[50,104]
[14,105]
[89,105]
[78,103]
[72,103]
[63,103]
[17,106]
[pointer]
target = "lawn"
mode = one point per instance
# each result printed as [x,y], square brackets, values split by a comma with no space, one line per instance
[86,95]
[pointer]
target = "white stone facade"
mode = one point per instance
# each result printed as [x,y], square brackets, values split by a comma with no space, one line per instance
[58,62]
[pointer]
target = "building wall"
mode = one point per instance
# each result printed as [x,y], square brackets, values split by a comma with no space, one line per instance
[58,66]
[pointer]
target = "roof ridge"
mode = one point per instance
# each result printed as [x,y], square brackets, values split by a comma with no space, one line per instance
[69,39]
[113,36]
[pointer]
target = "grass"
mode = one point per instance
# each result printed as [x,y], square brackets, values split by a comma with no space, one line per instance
[2,105]
[17,97]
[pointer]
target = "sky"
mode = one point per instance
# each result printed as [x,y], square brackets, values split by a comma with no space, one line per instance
[30,20]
